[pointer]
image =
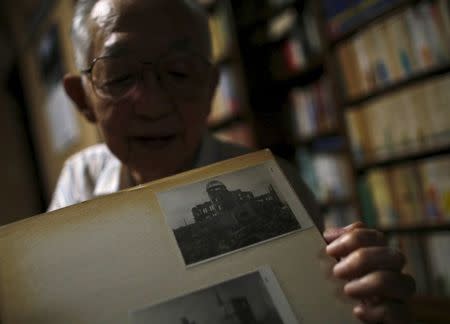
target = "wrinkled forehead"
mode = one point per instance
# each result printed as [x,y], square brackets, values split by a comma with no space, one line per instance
[148,27]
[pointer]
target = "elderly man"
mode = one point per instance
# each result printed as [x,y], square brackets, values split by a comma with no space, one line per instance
[147,81]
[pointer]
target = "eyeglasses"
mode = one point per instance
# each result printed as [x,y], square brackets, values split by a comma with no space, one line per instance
[182,75]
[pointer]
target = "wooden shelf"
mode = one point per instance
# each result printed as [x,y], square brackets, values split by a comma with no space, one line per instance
[416,229]
[398,85]
[380,15]
[308,140]
[407,156]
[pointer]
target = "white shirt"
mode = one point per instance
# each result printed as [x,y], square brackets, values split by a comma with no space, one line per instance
[95,171]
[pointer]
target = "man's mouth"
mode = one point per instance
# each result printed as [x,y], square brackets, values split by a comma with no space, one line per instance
[153,142]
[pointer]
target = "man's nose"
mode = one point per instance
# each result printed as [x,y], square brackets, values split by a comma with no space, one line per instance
[153,100]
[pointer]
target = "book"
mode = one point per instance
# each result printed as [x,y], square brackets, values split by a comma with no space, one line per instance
[438,252]
[380,187]
[422,47]
[313,109]
[400,41]
[434,33]
[399,47]
[220,31]
[349,70]
[311,29]
[133,254]
[437,98]
[413,247]
[407,193]
[393,60]
[363,61]
[327,174]
[307,172]
[436,188]
[227,100]
[355,128]
[419,119]
[369,213]
[383,71]
[443,10]
[339,216]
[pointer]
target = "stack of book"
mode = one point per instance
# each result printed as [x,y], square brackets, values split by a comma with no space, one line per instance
[328,175]
[300,46]
[227,101]
[428,261]
[408,195]
[313,109]
[408,121]
[406,44]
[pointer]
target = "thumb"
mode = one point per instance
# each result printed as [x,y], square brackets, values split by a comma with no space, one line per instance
[332,234]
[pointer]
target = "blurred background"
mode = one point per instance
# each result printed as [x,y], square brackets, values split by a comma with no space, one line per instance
[355,93]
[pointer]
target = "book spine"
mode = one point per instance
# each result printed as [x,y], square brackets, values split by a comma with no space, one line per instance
[423,52]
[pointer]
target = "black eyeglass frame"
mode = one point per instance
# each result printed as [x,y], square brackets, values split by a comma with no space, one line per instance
[88,70]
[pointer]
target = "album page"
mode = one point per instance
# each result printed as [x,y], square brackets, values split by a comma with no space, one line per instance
[227,243]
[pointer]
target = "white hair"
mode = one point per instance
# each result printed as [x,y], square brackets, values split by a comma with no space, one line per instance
[82,33]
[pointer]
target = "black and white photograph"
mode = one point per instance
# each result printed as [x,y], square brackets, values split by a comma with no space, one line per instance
[254,298]
[227,213]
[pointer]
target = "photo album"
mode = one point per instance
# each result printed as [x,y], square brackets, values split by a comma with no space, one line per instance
[230,243]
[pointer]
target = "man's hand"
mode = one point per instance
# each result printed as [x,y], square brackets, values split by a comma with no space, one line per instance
[373,271]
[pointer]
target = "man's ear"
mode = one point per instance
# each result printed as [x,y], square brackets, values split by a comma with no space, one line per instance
[73,84]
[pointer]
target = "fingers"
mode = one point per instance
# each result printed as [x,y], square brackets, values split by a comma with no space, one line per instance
[333,233]
[385,284]
[388,312]
[353,240]
[365,260]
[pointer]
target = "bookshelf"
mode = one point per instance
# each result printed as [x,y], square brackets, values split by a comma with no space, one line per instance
[398,85]
[414,155]
[282,67]
[385,167]
[273,56]
[390,8]
[230,118]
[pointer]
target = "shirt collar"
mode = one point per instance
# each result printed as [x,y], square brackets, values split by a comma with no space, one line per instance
[108,180]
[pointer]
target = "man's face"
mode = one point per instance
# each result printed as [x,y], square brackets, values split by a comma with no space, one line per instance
[153,129]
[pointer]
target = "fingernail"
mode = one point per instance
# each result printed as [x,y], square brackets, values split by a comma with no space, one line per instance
[354,225]
[333,246]
[358,309]
[352,285]
[339,268]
